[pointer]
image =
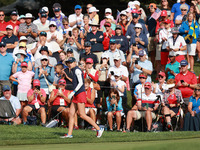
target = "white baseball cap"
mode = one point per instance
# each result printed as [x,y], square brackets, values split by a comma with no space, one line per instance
[52,23]
[44,57]
[45,8]
[23,38]
[93,9]
[108,10]
[117,73]
[109,17]
[136,3]
[29,15]
[123,12]
[9,27]
[117,57]
[104,55]
[138,25]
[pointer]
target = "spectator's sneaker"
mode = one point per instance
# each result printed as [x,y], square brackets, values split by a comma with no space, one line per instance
[43,124]
[127,130]
[169,126]
[148,130]
[198,59]
[100,132]
[25,123]
[110,130]
[76,127]
[66,136]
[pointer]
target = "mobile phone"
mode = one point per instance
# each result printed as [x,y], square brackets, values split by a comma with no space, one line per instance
[136,62]
[134,44]
[64,32]
[18,56]
[70,33]
[113,97]
[38,88]
[112,72]
[182,81]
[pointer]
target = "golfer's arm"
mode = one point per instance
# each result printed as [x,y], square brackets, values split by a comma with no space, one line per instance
[78,73]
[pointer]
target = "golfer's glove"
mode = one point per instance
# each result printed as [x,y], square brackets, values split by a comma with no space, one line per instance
[71,95]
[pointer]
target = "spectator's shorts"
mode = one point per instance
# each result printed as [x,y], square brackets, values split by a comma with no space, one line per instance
[80,98]
[152,44]
[191,49]
[140,114]
[87,109]
[33,107]
[158,50]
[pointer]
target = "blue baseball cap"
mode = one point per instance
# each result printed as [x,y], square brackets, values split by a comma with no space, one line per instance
[135,15]
[6,88]
[77,7]
[183,63]
[2,44]
[141,53]
[70,50]
[112,41]
[71,60]
[87,44]
[57,9]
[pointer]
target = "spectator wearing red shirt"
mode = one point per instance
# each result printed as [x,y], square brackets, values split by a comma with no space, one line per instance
[59,100]
[90,96]
[185,81]
[3,25]
[13,19]
[36,100]
[107,35]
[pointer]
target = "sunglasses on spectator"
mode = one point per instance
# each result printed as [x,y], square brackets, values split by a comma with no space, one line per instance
[160,76]
[2,15]
[183,9]
[52,26]
[137,28]
[44,60]
[142,78]
[65,24]
[88,7]
[197,90]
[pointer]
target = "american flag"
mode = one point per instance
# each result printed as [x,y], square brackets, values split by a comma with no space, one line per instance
[156,14]
[118,16]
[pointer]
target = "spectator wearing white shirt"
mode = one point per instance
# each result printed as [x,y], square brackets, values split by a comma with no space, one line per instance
[163,36]
[114,51]
[54,37]
[176,44]
[37,45]
[76,19]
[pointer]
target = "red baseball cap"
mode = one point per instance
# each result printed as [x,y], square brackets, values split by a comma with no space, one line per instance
[89,60]
[163,13]
[62,82]
[141,75]
[107,24]
[24,64]
[147,85]
[167,21]
[134,11]
[36,82]
[162,74]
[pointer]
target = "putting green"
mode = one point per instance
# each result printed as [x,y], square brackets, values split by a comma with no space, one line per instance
[183,144]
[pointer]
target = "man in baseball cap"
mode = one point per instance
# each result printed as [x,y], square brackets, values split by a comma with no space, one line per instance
[13,19]
[10,39]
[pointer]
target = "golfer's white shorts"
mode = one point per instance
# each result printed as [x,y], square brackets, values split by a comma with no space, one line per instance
[140,114]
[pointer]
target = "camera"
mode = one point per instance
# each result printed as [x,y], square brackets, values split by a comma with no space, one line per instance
[134,44]
[112,73]
[37,87]
[182,81]
[70,33]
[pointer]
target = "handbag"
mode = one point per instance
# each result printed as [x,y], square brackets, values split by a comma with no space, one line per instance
[50,87]
[96,86]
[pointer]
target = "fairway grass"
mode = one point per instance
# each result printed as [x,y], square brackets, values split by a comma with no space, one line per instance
[30,135]
[183,144]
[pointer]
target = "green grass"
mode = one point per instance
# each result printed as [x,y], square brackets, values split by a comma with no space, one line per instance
[29,135]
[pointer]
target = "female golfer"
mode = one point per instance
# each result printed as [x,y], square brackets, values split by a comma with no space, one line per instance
[79,100]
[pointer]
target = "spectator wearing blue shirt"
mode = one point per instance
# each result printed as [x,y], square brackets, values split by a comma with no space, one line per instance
[172,68]
[175,11]
[131,31]
[45,74]
[6,63]
[139,38]
[10,39]
[121,40]
[114,106]
[191,122]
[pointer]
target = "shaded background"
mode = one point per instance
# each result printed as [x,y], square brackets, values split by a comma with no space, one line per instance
[33,6]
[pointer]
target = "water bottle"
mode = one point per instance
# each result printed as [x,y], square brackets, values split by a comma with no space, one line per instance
[52,123]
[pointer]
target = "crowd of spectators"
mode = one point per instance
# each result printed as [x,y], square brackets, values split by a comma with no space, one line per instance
[115,55]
